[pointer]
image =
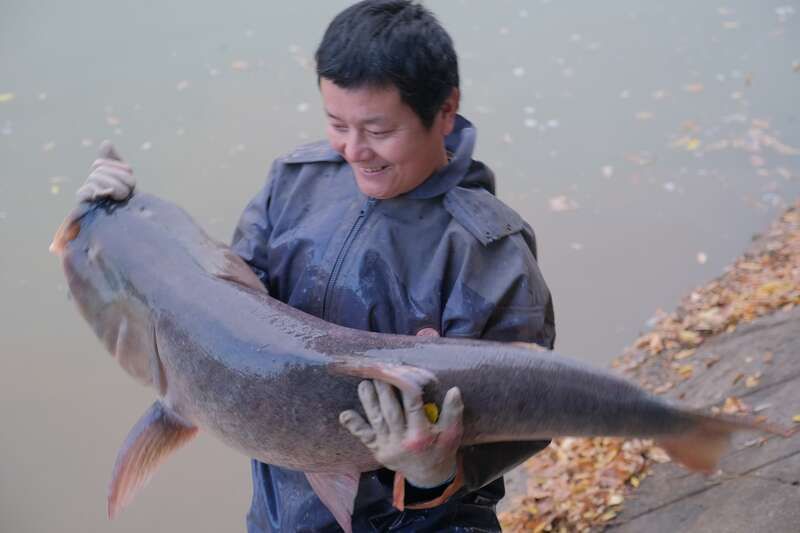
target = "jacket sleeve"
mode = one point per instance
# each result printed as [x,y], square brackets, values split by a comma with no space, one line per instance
[498,294]
[252,233]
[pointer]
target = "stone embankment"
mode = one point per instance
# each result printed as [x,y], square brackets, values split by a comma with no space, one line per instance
[731,346]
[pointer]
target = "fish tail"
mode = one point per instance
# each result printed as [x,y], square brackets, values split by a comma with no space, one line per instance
[708,439]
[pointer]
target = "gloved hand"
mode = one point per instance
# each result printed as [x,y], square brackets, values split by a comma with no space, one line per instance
[110,177]
[402,438]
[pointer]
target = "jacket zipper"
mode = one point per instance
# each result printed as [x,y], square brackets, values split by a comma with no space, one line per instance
[337,265]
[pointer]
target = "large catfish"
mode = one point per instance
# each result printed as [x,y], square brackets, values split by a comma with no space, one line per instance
[183,314]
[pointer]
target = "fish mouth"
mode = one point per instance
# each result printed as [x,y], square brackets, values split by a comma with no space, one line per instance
[69,229]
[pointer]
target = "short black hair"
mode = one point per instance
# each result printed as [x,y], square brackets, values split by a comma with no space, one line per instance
[378,43]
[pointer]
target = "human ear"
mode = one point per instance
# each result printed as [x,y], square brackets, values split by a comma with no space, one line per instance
[449,110]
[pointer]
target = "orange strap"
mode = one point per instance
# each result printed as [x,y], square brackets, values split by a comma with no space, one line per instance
[399,496]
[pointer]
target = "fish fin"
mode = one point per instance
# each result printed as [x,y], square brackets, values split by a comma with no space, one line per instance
[155,436]
[701,448]
[338,493]
[132,342]
[408,378]
[233,268]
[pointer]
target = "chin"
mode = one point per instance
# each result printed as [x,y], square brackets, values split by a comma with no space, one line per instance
[374,192]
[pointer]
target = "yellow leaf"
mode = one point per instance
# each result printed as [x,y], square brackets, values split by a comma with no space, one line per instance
[752,381]
[608,516]
[432,412]
[689,337]
[734,405]
[634,481]
[6,97]
[683,354]
[796,419]
[686,371]
[693,144]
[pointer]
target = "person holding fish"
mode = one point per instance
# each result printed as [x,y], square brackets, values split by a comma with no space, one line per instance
[390,226]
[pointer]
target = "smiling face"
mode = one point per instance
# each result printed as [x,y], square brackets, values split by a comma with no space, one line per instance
[384,141]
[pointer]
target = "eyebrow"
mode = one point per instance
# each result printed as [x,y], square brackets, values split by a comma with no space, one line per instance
[376,119]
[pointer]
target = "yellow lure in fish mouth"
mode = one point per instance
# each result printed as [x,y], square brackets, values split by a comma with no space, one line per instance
[432,412]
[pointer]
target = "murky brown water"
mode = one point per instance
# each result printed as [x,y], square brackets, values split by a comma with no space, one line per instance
[645,144]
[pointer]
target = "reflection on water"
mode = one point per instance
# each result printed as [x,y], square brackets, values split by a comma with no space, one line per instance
[644,143]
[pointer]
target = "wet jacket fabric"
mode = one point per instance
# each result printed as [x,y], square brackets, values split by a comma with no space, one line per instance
[447,255]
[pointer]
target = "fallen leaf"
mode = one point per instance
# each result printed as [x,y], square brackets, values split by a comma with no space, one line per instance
[663,388]
[752,381]
[693,88]
[658,455]
[734,405]
[683,354]
[689,337]
[686,371]
[796,418]
[6,97]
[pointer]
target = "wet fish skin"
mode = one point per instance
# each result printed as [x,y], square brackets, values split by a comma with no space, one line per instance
[185,315]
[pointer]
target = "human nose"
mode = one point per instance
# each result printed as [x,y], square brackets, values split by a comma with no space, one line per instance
[356,147]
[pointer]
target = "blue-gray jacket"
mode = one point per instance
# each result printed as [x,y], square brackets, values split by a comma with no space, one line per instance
[447,255]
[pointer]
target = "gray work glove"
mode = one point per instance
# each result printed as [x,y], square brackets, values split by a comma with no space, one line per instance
[110,177]
[402,438]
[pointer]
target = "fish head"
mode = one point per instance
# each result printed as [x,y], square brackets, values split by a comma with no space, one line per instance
[89,245]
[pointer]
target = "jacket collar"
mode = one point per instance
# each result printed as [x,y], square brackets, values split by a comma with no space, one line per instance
[460,143]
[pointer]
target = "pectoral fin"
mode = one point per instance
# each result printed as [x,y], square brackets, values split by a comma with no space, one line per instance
[225,264]
[338,493]
[154,437]
[409,379]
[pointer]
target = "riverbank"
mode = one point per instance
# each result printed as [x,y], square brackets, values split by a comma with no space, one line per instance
[730,345]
